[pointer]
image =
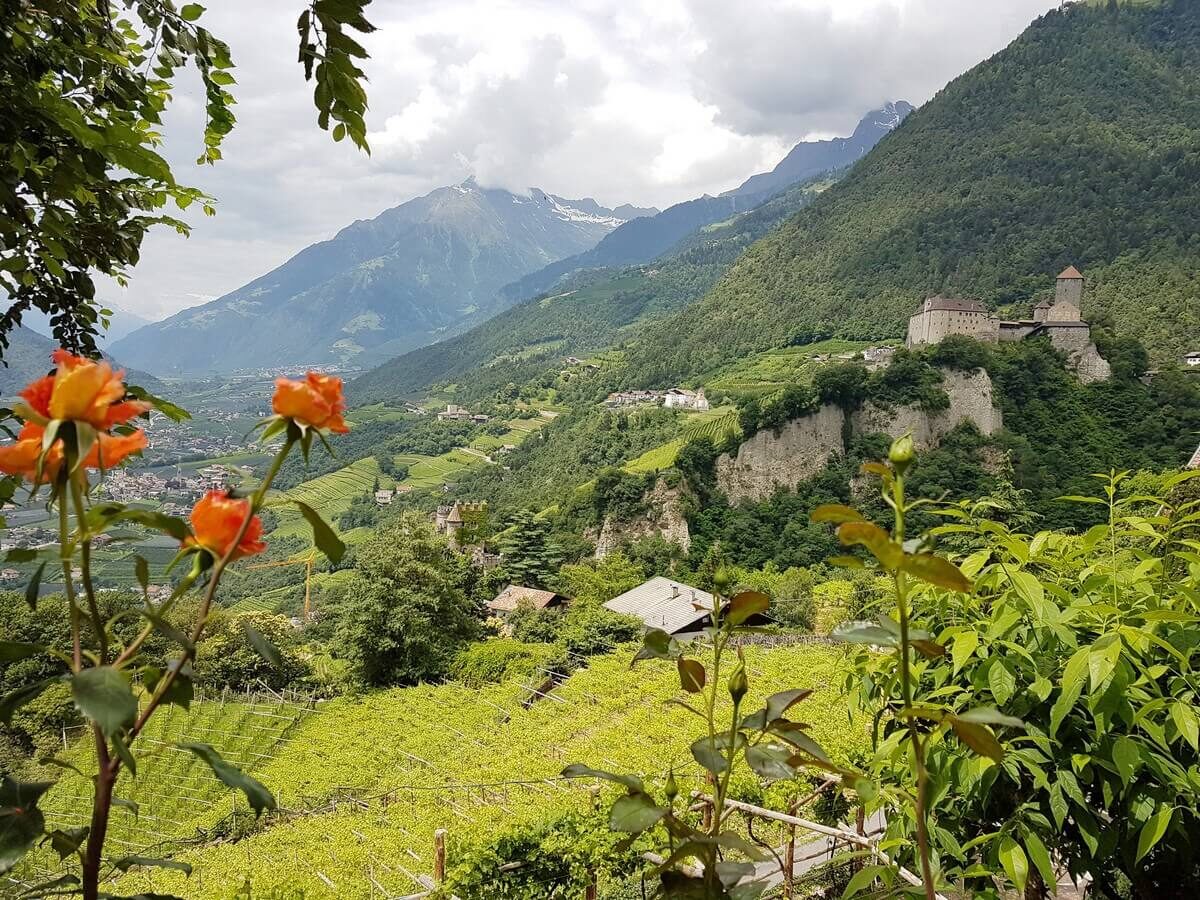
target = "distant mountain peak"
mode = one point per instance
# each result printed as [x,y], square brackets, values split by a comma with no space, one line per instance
[809,158]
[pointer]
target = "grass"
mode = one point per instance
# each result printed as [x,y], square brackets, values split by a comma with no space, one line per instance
[419,742]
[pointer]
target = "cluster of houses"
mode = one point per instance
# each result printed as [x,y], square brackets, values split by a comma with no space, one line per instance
[455,413]
[662,603]
[675,398]
[385,496]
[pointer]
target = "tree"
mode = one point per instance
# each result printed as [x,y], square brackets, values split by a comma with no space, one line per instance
[84,90]
[598,581]
[531,556]
[843,385]
[404,612]
[227,656]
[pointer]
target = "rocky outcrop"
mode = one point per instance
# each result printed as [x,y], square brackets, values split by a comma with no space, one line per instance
[782,459]
[663,517]
[1082,356]
[771,460]
[971,401]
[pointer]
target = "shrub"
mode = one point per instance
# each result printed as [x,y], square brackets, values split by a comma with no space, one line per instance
[500,659]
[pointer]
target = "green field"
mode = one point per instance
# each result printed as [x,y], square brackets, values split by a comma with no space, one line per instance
[330,495]
[764,373]
[420,745]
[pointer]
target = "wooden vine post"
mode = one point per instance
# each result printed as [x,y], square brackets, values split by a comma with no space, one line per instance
[789,856]
[592,889]
[439,855]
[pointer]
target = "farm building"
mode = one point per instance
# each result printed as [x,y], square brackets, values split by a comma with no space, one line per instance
[514,595]
[670,606]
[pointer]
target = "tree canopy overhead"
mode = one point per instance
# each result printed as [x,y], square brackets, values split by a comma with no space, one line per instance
[84,85]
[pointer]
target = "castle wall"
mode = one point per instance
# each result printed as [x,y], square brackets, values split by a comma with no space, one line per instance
[1082,356]
[934,326]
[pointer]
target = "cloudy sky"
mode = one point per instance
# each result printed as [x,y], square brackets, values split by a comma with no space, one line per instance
[629,101]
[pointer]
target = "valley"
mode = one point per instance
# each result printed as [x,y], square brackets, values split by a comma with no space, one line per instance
[834,534]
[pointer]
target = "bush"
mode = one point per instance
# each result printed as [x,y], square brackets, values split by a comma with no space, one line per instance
[226,657]
[960,352]
[843,385]
[500,659]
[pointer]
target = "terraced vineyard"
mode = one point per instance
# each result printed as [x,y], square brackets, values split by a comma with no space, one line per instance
[174,791]
[432,471]
[331,494]
[714,424]
[404,762]
[767,372]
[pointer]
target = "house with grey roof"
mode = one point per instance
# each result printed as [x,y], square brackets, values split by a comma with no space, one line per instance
[670,606]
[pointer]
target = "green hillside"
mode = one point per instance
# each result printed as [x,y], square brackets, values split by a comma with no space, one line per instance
[415,745]
[1079,143]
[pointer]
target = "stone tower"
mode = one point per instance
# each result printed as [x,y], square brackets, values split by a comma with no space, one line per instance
[1068,298]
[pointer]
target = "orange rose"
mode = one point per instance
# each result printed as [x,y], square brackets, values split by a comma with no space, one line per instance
[82,390]
[216,520]
[110,449]
[316,401]
[21,458]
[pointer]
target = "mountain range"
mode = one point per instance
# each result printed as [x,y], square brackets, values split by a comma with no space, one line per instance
[432,267]
[417,272]
[1078,144]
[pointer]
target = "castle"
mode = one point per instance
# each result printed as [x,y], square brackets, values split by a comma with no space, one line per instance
[1061,321]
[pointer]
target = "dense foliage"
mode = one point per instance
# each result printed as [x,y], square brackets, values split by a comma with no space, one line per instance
[404,612]
[990,190]
[84,87]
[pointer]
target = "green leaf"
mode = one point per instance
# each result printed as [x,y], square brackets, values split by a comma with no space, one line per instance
[746,605]
[257,795]
[578,770]
[634,813]
[1102,663]
[778,704]
[978,737]
[770,761]
[875,539]
[14,700]
[181,691]
[104,696]
[324,537]
[263,647]
[835,512]
[168,409]
[34,587]
[963,648]
[1074,673]
[125,863]
[1016,865]
[937,571]
[191,12]
[21,822]
[66,841]
[691,675]
[11,651]
[1040,857]
[141,570]
[657,644]
[1127,756]
[129,805]
[1184,717]
[864,633]
[708,753]
[1001,682]
[865,878]
[1152,832]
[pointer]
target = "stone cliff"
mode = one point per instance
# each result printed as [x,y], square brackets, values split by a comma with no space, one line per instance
[663,517]
[771,460]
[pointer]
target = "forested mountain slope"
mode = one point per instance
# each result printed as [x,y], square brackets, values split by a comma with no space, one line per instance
[589,311]
[414,273]
[1079,143]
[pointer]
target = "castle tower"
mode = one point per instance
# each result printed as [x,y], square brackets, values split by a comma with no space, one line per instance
[1068,298]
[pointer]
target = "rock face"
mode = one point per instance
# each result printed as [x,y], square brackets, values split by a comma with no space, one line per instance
[771,460]
[1082,356]
[970,401]
[663,517]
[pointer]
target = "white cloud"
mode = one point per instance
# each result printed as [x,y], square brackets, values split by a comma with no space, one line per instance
[639,101]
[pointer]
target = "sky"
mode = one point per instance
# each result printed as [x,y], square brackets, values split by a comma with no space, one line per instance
[649,102]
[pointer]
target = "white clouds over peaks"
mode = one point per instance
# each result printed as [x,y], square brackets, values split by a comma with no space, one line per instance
[628,101]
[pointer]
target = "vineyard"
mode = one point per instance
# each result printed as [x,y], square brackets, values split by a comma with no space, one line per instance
[767,372]
[368,780]
[714,424]
[174,792]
